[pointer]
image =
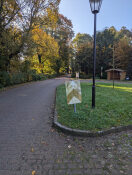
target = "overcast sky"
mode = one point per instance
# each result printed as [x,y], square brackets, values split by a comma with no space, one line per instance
[115,13]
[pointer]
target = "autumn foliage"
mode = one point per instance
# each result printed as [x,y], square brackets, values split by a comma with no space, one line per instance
[34,40]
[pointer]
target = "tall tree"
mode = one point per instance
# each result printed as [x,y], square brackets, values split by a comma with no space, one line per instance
[81,39]
[45,48]
[123,53]
[82,45]
[22,15]
[106,40]
[84,58]
[63,36]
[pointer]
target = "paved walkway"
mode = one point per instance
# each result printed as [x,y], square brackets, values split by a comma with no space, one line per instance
[30,146]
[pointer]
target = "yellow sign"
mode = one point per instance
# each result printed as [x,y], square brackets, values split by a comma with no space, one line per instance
[73,92]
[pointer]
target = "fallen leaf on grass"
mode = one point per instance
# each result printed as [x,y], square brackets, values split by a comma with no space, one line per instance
[121,171]
[32,150]
[81,148]
[52,130]
[69,146]
[43,142]
[58,161]
[113,144]
[33,172]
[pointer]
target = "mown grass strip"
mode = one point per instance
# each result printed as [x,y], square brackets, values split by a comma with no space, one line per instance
[113,107]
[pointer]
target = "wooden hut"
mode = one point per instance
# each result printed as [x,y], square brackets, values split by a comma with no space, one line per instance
[116,74]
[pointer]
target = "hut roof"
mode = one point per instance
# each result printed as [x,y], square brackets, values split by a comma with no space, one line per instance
[118,70]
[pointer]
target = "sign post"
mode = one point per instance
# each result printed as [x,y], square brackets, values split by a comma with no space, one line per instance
[75,108]
[73,92]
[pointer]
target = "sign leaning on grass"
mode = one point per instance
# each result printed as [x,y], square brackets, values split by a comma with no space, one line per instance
[73,92]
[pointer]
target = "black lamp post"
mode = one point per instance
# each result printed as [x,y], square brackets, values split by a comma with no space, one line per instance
[95,7]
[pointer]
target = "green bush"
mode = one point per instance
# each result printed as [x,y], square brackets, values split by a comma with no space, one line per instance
[73,75]
[42,77]
[4,79]
[51,76]
[85,76]
[7,79]
[18,78]
[1,86]
[34,77]
[104,75]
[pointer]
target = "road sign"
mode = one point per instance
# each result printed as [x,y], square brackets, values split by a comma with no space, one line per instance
[73,92]
[77,74]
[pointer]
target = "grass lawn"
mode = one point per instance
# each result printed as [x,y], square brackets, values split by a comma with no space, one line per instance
[113,107]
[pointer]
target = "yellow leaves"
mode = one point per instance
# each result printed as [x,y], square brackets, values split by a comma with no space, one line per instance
[47,47]
[52,17]
[33,172]
[45,43]
[32,149]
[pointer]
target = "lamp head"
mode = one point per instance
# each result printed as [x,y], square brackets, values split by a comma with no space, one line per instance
[95,5]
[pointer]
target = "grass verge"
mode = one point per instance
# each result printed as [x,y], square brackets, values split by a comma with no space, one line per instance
[113,107]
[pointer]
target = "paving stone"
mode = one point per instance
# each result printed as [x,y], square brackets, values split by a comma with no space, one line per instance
[29,143]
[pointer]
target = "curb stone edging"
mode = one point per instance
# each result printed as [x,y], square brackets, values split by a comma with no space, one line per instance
[86,133]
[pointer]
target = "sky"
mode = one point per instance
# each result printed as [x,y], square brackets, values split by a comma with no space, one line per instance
[115,13]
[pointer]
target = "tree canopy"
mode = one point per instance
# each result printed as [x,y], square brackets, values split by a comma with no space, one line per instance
[108,41]
[33,34]
[36,40]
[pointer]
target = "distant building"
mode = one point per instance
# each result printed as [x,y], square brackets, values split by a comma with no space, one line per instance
[116,74]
